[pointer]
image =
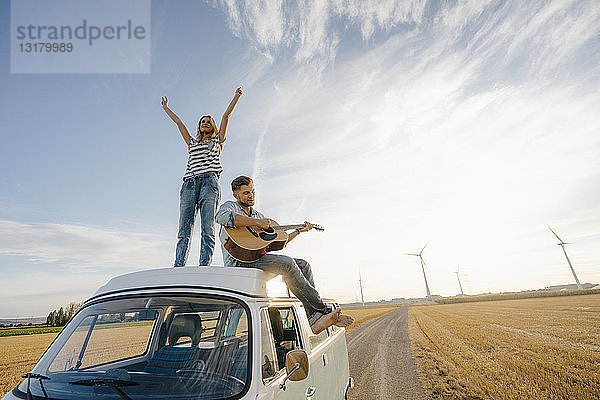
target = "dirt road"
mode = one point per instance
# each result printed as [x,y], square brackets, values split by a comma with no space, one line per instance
[380,360]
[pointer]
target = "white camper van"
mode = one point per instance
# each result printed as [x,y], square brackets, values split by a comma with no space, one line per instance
[190,333]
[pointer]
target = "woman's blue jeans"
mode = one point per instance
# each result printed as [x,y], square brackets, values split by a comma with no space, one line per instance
[200,193]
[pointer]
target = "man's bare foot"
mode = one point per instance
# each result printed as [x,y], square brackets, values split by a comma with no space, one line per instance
[325,321]
[335,317]
[343,320]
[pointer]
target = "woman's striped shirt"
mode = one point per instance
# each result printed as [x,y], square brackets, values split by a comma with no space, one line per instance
[203,157]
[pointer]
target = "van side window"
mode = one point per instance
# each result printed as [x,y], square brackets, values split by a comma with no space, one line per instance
[285,332]
[268,360]
[284,336]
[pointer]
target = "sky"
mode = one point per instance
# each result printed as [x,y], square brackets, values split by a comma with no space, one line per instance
[468,125]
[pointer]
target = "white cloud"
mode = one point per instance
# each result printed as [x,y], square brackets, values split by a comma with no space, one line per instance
[310,28]
[78,246]
[543,35]
[49,265]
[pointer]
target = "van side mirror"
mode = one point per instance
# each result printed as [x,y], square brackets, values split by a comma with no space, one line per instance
[296,366]
[293,358]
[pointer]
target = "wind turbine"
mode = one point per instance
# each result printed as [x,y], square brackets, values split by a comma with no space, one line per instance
[562,245]
[458,277]
[362,298]
[419,254]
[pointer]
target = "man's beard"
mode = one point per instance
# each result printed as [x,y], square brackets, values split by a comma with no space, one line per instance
[247,204]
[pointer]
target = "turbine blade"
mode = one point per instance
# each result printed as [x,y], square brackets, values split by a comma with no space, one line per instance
[556,235]
[424,247]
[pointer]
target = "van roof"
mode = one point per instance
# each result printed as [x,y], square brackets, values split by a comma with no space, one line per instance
[247,281]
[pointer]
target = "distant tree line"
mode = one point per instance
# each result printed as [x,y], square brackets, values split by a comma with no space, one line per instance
[11,325]
[61,316]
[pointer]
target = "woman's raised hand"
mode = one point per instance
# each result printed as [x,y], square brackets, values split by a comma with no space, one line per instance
[164,102]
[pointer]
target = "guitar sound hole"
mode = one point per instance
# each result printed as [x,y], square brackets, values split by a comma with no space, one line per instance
[265,235]
[270,230]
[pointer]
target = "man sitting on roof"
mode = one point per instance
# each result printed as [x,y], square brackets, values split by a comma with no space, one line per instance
[296,272]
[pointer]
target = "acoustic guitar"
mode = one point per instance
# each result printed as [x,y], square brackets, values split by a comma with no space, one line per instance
[249,243]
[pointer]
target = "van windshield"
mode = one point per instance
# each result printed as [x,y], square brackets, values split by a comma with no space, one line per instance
[151,347]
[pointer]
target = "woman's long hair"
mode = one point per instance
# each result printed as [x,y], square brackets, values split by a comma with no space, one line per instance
[212,134]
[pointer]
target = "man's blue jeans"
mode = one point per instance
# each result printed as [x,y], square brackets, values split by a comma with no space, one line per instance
[298,277]
[200,193]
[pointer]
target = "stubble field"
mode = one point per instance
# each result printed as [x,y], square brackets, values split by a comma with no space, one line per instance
[546,348]
[18,354]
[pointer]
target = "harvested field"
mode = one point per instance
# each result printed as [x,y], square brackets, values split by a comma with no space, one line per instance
[366,314]
[18,354]
[546,348]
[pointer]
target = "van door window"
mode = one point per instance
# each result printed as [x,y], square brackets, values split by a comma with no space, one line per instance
[268,360]
[282,325]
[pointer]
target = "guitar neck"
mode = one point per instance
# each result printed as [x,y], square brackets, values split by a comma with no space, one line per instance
[287,227]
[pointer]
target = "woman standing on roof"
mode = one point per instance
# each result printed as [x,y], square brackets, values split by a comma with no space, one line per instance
[200,190]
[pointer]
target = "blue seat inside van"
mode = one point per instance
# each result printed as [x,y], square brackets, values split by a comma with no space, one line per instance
[171,358]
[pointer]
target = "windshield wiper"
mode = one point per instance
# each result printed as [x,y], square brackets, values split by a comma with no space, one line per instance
[30,375]
[114,384]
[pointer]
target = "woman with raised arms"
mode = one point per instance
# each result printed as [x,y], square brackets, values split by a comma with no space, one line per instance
[200,189]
